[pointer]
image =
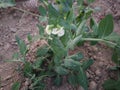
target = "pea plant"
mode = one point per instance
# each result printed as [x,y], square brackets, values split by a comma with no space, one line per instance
[68,24]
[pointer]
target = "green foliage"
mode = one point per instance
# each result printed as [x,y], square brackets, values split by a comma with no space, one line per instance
[94,26]
[6,3]
[78,56]
[41,30]
[71,64]
[42,51]
[72,79]
[16,86]
[42,10]
[61,70]
[90,1]
[64,31]
[58,80]
[116,56]
[87,64]
[82,78]
[27,70]
[57,45]
[29,37]
[22,46]
[111,84]
[105,26]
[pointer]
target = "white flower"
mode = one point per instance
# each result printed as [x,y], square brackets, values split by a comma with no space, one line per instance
[55,31]
[48,29]
[61,32]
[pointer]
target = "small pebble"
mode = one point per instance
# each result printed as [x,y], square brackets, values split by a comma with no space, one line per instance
[95,48]
[99,53]
[98,73]
[13,30]
[27,82]
[1,89]
[90,48]
[102,59]
[1,44]
[101,64]
[93,85]
[88,75]
[97,78]
[15,14]
[80,88]
[94,57]
[86,44]
[13,40]
[6,47]
[90,54]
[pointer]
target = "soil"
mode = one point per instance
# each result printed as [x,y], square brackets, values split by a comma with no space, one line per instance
[14,22]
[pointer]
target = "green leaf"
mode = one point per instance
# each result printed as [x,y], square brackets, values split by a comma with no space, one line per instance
[65,24]
[41,30]
[40,86]
[38,81]
[72,43]
[67,3]
[80,2]
[29,37]
[116,56]
[72,79]
[43,19]
[16,86]
[87,64]
[61,70]
[90,1]
[73,27]
[22,46]
[113,37]
[15,55]
[64,6]
[80,27]
[70,16]
[38,63]
[57,60]
[42,51]
[52,11]
[57,47]
[105,26]
[58,80]
[82,79]
[6,3]
[94,26]
[42,10]
[71,64]
[111,85]
[64,39]
[88,13]
[27,70]
[77,56]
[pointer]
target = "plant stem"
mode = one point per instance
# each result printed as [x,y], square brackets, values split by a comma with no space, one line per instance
[91,39]
[22,10]
[101,40]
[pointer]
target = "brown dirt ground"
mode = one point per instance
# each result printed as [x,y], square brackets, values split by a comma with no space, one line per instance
[14,22]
